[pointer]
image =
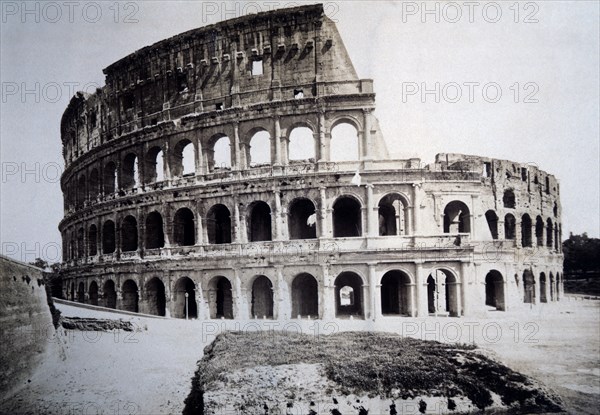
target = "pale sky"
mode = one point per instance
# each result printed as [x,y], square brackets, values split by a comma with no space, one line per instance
[549,55]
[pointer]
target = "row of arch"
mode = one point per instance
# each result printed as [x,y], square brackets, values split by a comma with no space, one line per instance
[546,233]
[160,163]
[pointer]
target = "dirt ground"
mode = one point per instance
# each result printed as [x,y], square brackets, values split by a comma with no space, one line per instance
[149,371]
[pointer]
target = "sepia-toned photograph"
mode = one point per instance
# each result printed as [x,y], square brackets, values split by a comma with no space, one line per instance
[299,207]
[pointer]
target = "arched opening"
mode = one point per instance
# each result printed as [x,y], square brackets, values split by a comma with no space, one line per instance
[347,217]
[81,292]
[549,233]
[94,184]
[220,298]
[305,296]
[552,288]
[259,149]
[494,290]
[262,298]
[442,293]
[457,218]
[110,178]
[528,287]
[348,295]
[510,226]
[80,246]
[393,215]
[81,192]
[183,303]
[539,231]
[396,295]
[155,297]
[543,297]
[302,219]
[184,232]
[302,144]
[129,173]
[130,296]
[155,165]
[155,237]
[93,293]
[184,162]
[508,199]
[129,234]
[525,230]
[72,297]
[93,240]
[218,225]
[344,143]
[108,237]
[492,221]
[259,222]
[109,293]
[220,156]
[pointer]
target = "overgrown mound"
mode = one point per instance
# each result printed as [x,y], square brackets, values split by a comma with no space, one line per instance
[373,364]
[95,324]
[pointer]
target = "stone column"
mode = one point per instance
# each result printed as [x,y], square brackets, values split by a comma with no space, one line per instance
[372,225]
[324,139]
[375,294]
[324,219]
[166,162]
[236,163]
[276,142]
[421,284]
[367,153]
[241,302]
[327,295]
[198,157]
[238,235]
[277,216]
[283,303]
[416,210]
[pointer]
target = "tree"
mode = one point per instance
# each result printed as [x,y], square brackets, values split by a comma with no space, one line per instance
[582,254]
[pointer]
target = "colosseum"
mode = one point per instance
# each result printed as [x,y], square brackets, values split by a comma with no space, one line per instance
[237,171]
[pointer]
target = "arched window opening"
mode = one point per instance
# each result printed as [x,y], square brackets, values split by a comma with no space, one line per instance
[302,219]
[508,199]
[221,155]
[262,298]
[492,221]
[72,291]
[155,237]
[220,298]
[396,294]
[93,240]
[184,159]
[347,218]
[494,290]
[442,293]
[552,288]
[556,238]
[302,144]
[155,297]
[260,149]
[348,295]
[259,222]
[510,226]
[184,298]
[155,168]
[543,297]
[130,172]
[94,185]
[526,231]
[81,293]
[393,216]
[80,246]
[129,234]
[108,237]
[81,192]
[218,225]
[110,178]
[457,218]
[93,293]
[539,231]
[305,296]
[184,232]
[130,296]
[344,143]
[528,287]
[555,210]
[110,294]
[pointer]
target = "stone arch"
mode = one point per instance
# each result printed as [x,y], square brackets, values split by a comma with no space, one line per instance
[494,290]
[93,293]
[457,217]
[108,237]
[508,199]
[510,226]
[259,222]
[258,147]
[528,287]
[109,294]
[184,229]
[94,184]
[492,221]
[184,158]
[220,298]
[301,143]
[93,240]
[344,145]
[543,282]
[181,303]
[129,172]
[349,295]
[110,178]
[443,293]
[219,154]
[302,219]
[549,235]
[262,297]
[154,170]
[526,231]
[539,231]
[81,292]
[80,245]
[305,296]
[129,234]
[155,237]
[130,296]
[347,217]
[393,215]
[218,224]
[81,190]
[156,299]
[396,293]
[552,287]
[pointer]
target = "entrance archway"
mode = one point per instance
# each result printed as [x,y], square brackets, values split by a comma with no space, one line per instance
[185,286]
[155,297]
[220,298]
[110,294]
[305,296]
[348,295]
[130,296]
[262,298]
[494,290]
[396,293]
[442,293]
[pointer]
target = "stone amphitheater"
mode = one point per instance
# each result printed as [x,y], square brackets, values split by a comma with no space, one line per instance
[237,171]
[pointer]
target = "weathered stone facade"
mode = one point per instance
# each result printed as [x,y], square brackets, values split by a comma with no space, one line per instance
[167,194]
